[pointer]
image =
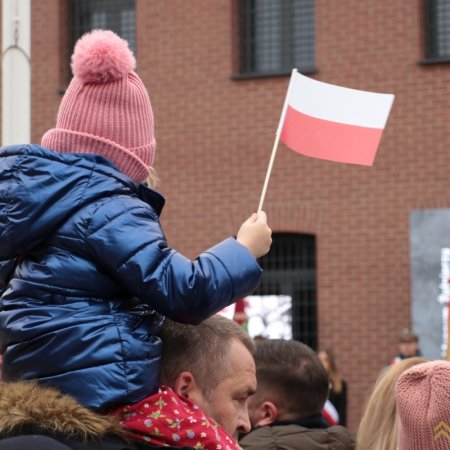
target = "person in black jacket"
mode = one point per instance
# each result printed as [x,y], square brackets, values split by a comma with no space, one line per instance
[338,385]
[408,346]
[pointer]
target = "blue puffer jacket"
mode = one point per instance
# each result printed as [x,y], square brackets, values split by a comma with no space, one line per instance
[86,276]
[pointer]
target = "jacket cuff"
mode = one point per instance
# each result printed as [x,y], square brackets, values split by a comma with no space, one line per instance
[241,266]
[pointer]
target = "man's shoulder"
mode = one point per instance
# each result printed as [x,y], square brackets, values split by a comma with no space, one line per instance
[341,436]
[296,437]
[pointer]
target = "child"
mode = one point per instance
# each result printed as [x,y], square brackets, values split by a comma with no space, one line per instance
[85,271]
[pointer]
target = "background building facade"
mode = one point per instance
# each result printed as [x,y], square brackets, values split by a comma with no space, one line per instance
[217,73]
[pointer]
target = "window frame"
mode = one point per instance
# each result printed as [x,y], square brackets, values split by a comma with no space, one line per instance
[245,66]
[431,34]
[294,274]
[77,29]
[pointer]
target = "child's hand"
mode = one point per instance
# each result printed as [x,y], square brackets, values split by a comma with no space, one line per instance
[255,234]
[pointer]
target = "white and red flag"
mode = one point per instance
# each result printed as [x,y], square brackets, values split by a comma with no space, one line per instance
[333,122]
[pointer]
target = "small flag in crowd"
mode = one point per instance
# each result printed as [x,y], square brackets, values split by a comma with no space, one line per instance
[331,122]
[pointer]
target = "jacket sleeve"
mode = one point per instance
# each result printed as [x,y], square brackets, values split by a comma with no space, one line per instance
[127,241]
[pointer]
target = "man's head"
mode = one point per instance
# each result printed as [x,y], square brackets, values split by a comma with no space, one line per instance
[292,382]
[212,365]
[408,343]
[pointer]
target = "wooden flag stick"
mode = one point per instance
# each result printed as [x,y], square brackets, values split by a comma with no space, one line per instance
[269,171]
[277,140]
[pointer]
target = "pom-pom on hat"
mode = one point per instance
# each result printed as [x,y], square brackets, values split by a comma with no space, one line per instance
[423,406]
[106,109]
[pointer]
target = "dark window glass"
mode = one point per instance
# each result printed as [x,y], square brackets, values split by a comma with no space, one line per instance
[275,36]
[438,29]
[116,15]
[290,269]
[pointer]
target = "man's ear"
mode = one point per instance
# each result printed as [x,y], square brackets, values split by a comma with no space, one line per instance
[186,386]
[267,413]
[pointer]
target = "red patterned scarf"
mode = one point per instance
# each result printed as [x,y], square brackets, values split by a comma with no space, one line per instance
[165,418]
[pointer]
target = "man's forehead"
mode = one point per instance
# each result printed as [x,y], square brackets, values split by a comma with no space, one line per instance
[242,365]
[240,356]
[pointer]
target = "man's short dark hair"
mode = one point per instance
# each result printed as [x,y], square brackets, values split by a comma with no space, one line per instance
[407,335]
[292,374]
[202,349]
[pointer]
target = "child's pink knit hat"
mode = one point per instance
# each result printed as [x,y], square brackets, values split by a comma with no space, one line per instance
[106,109]
[423,406]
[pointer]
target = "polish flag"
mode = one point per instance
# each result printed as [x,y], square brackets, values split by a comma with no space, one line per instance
[331,122]
[330,414]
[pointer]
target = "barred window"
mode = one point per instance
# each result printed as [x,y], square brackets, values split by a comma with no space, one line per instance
[116,15]
[290,269]
[437,30]
[276,36]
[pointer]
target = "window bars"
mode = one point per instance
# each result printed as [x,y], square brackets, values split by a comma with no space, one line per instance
[290,269]
[437,16]
[276,36]
[116,15]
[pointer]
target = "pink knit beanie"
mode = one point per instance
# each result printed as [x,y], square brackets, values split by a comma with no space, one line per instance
[106,109]
[423,405]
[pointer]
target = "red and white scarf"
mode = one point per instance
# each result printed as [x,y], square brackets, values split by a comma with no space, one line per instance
[165,418]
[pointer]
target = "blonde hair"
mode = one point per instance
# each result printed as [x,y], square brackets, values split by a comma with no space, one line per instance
[378,427]
[152,179]
[334,375]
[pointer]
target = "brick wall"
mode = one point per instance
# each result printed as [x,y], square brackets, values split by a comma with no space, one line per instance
[215,135]
[49,63]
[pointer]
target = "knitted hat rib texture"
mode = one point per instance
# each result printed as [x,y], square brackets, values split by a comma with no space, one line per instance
[423,406]
[106,109]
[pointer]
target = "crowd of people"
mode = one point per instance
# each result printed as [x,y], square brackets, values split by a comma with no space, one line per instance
[110,339]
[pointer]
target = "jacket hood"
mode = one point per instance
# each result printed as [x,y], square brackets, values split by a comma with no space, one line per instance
[27,405]
[40,188]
